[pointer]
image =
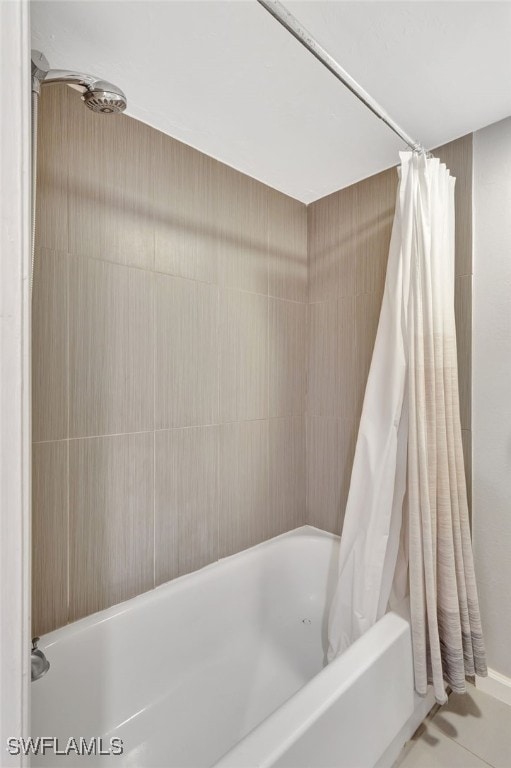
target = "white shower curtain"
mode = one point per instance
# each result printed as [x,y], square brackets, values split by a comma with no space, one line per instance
[406,527]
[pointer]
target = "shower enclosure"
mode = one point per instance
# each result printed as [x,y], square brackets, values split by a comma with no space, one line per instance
[149,466]
[186,467]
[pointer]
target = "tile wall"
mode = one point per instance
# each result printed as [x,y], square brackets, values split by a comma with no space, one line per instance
[201,344]
[349,237]
[169,361]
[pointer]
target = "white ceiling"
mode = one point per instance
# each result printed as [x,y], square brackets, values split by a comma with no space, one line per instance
[226,78]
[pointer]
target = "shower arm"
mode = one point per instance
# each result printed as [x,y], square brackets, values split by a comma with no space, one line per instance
[54,76]
[43,75]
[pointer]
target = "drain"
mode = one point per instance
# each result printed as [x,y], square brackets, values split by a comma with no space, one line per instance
[306,621]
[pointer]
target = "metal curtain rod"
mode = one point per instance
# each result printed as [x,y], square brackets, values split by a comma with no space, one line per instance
[291,23]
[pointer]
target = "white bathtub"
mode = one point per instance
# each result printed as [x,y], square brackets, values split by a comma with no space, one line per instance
[226,667]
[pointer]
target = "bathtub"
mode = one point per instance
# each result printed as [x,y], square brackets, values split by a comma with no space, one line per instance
[225,667]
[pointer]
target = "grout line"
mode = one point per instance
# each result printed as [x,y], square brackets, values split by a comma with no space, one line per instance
[155,272]
[458,744]
[188,426]
[96,437]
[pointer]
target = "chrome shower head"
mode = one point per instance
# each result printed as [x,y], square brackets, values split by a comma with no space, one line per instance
[104,97]
[98,95]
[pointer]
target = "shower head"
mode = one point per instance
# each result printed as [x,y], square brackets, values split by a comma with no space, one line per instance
[98,95]
[104,97]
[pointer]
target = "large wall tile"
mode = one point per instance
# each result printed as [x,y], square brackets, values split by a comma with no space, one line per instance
[330,450]
[322,393]
[288,343]
[187,238]
[186,492]
[287,474]
[110,348]
[49,536]
[243,356]
[367,315]
[52,168]
[463,311]
[457,155]
[336,267]
[111,521]
[374,217]
[111,171]
[50,390]
[186,378]
[324,243]
[244,502]
[287,247]
[242,219]
[331,358]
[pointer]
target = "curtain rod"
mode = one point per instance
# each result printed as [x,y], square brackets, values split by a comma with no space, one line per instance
[291,23]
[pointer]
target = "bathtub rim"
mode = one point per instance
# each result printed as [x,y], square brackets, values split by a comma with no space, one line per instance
[179,584]
[269,740]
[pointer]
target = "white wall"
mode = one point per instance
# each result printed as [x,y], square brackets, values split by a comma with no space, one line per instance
[15,432]
[492,388]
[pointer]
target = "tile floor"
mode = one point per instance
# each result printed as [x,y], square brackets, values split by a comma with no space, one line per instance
[470,731]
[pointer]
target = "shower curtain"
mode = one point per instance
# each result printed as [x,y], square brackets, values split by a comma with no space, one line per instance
[406,527]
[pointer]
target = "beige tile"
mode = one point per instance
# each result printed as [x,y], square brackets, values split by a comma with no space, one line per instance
[374,218]
[186,492]
[244,503]
[110,348]
[367,315]
[336,266]
[345,357]
[186,230]
[480,724]
[434,750]
[457,155]
[111,190]
[324,242]
[463,311]
[111,521]
[351,256]
[287,357]
[466,439]
[52,169]
[322,392]
[242,218]
[331,358]
[330,451]
[50,393]
[287,474]
[186,381]
[49,536]
[287,246]
[243,356]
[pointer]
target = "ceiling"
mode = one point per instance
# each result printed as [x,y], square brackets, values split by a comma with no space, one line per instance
[226,78]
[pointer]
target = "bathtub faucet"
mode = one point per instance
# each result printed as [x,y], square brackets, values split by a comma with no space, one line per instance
[40,664]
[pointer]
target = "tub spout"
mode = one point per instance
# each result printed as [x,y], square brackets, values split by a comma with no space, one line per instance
[40,664]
